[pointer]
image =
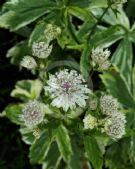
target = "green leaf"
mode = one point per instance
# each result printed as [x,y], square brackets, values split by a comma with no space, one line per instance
[131,34]
[18,51]
[118,155]
[20,13]
[85,66]
[83,14]
[75,161]
[27,135]
[64,143]
[88,3]
[133,147]
[93,152]
[115,83]
[53,157]
[38,33]
[133,81]
[27,89]
[107,37]
[40,148]
[123,58]
[14,112]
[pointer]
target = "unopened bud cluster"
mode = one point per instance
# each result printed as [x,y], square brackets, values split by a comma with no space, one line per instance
[100,58]
[90,122]
[51,32]
[32,114]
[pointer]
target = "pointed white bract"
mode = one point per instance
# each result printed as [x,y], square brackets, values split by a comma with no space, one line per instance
[32,114]
[41,49]
[108,105]
[28,62]
[90,122]
[67,89]
[115,126]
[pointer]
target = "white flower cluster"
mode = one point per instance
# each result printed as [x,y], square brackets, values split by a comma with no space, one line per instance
[68,89]
[109,105]
[28,62]
[41,49]
[114,124]
[51,32]
[90,122]
[100,57]
[119,1]
[32,114]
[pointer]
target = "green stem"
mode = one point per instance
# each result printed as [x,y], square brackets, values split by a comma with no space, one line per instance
[95,25]
[71,31]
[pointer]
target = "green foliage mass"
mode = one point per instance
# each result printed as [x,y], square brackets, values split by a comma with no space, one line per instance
[60,141]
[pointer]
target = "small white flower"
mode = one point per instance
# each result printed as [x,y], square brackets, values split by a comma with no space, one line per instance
[32,114]
[115,126]
[67,88]
[41,49]
[90,122]
[105,65]
[52,31]
[28,62]
[109,105]
[93,103]
[99,55]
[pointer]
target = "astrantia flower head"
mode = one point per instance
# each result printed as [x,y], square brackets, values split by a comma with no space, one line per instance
[32,114]
[28,62]
[109,105]
[99,55]
[115,126]
[68,89]
[90,122]
[52,31]
[41,49]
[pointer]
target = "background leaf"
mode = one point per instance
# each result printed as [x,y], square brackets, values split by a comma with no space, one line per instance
[116,85]
[123,58]
[93,152]
[64,143]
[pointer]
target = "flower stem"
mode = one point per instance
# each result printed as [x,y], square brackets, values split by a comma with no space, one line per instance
[95,25]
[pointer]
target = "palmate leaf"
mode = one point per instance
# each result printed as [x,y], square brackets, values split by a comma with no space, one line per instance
[64,143]
[53,158]
[39,149]
[93,152]
[107,37]
[85,66]
[117,86]
[27,89]
[19,13]
[123,58]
